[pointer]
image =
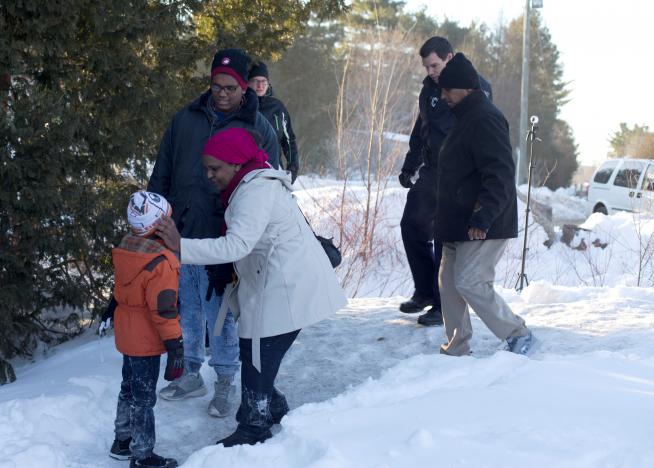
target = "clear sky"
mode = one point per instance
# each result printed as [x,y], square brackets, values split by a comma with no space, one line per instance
[607,52]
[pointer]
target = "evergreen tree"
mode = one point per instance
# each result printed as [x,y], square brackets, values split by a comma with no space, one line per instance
[556,154]
[636,142]
[87,89]
[306,80]
[264,28]
[385,14]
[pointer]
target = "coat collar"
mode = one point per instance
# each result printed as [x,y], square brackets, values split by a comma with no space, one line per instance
[283,176]
[430,84]
[470,102]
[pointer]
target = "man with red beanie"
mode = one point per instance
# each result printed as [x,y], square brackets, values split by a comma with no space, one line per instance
[178,175]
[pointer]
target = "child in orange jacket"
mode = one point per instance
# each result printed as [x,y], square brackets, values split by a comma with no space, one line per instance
[146,324]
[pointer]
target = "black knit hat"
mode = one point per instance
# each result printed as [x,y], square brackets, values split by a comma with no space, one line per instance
[258,69]
[459,73]
[233,62]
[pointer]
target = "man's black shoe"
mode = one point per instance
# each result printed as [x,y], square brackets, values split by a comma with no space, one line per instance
[416,304]
[431,318]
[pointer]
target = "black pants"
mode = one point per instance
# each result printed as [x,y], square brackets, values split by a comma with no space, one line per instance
[135,413]
[417,225]
[261,403]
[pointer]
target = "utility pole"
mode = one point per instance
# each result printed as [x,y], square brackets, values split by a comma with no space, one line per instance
[524,90]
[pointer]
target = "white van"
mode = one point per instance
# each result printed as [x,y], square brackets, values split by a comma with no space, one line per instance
[622,185]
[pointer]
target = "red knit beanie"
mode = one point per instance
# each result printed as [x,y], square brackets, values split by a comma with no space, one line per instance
[232,62]
[234,146]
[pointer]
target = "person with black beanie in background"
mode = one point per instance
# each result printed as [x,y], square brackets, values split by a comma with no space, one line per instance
[278,116]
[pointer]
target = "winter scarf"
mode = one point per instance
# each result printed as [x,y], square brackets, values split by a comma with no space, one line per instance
[226,194]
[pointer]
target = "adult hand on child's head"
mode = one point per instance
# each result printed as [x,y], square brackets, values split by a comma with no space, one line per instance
[167,230]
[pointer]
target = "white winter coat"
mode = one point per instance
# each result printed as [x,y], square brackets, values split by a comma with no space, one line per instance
[286,281]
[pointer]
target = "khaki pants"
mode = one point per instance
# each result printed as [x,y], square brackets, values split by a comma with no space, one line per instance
[467,274]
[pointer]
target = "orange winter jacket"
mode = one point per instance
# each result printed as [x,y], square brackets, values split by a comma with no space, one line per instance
[146,289]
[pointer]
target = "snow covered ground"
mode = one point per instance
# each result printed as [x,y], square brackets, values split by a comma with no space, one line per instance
[368,388]
[619,248]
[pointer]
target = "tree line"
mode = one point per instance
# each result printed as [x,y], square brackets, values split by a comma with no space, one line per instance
[308,78]
[636,142]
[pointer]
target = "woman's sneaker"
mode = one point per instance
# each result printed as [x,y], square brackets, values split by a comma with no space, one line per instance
[120,449]
[224,391]
[153,461]
[189,385]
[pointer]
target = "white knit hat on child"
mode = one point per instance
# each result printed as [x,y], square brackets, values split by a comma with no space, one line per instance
[144,210]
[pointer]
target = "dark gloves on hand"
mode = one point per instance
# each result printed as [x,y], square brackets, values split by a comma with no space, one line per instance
[219,277]
[405,179]
[107,317]
[175,363]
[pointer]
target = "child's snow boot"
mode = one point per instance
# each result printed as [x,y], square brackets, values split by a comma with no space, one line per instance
[120,449]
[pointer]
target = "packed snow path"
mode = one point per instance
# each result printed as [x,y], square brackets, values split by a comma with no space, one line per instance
[369,389]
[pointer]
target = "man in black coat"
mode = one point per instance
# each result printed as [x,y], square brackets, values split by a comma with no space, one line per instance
[434,122]
[476,213]
[277,114]
[179,176]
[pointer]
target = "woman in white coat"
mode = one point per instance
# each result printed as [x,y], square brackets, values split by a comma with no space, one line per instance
[285,280]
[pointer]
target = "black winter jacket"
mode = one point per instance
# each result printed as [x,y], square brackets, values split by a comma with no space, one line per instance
[476,174]
[178,174]
[277,114]
[434,122]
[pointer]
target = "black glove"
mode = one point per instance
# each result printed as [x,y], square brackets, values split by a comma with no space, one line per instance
[109,311]
[107,317]
[293,169]
[405,179]
[219,277]
[175,362]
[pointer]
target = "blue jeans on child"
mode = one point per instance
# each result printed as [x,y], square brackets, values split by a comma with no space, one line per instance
[134,413]
[198,315]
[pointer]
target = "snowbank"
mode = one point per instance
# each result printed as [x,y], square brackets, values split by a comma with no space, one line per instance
[566,207]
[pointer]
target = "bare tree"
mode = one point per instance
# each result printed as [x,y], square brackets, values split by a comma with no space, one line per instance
[370,117]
